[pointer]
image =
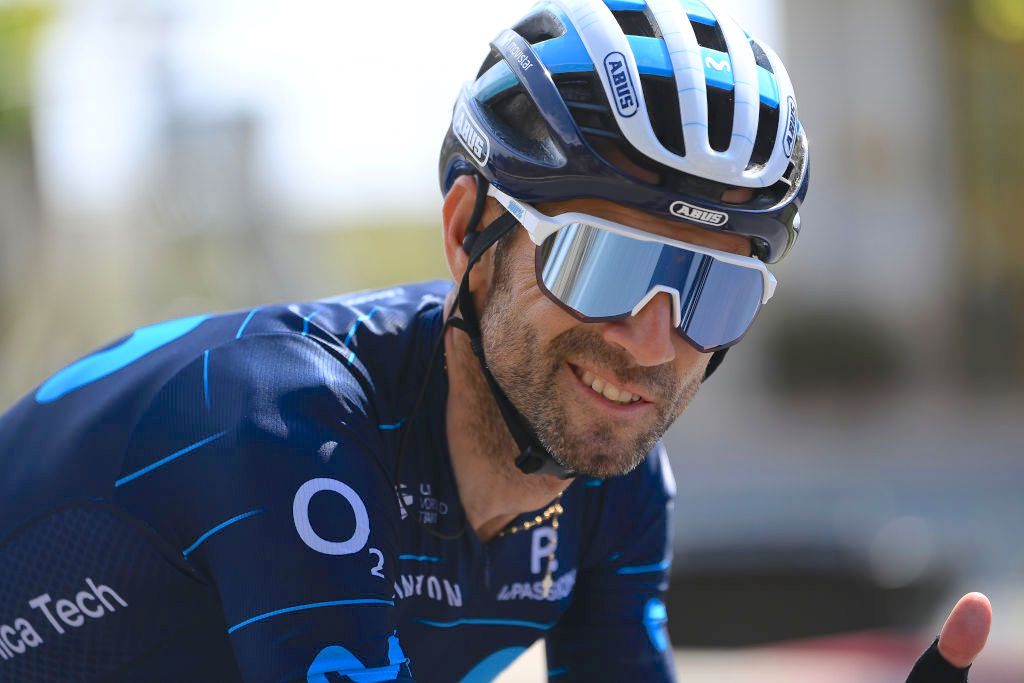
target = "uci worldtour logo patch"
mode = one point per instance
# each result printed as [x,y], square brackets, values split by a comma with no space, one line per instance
[470,135]
[621,84]
[792,126]
[695,213]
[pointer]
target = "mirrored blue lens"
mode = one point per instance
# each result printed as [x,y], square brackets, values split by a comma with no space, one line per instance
[724,308]
[604,275]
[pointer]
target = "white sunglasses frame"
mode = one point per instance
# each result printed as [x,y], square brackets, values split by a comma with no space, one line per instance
[540,226]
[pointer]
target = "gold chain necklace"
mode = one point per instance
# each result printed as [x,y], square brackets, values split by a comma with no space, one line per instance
[551,512]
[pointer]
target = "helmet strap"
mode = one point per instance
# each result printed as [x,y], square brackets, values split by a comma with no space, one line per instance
[533,458]
[716,359]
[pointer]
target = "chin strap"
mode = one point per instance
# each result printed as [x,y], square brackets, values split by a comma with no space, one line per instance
[533,458]
[716,359]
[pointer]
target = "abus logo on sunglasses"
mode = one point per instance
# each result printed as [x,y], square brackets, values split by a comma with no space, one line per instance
[472,138]
[695,213]
[621,83]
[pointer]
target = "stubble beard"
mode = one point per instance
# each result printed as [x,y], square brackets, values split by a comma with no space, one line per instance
[528,374]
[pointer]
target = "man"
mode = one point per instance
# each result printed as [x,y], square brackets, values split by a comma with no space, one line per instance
[421,482]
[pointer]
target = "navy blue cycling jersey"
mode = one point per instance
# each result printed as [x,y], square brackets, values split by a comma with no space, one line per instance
[220,498]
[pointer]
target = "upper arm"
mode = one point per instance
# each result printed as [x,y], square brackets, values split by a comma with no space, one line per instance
[261,462]
[615,628]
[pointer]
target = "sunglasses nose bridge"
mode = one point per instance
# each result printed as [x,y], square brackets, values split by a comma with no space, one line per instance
[673,295]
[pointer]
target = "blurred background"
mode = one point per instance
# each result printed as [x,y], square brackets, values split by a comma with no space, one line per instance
[855,466]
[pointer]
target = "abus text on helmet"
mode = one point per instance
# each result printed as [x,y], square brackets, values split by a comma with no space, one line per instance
[470,135]
[695,213]
[792,126]
[622,84]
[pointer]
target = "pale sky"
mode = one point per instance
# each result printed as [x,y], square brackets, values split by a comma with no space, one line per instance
[354,98]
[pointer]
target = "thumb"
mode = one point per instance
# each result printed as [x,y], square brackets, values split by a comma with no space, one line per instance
[962,638]
[966,630]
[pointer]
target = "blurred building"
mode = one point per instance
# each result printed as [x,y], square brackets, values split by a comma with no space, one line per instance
[861,450]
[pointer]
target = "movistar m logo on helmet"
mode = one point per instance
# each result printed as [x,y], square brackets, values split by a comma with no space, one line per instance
[792,126]
[695,213]
[621,83]
[470,135]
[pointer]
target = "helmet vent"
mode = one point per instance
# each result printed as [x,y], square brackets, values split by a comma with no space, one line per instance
[636,23]
[665,116]
[710,37]
[584,96]
[767,130]
[721,109]
[760,57]
[513,116]
[539,26]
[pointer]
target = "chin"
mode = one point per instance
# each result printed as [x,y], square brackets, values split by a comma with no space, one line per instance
[598,458]
[607,467]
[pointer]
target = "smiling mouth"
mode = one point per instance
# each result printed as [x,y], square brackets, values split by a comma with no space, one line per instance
[610,391]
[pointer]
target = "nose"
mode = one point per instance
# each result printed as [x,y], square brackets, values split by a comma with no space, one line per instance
[647,336]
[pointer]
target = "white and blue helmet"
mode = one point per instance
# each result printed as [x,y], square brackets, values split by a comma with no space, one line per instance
[676,87]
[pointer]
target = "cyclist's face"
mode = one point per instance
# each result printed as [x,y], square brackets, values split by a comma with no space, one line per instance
[599,395]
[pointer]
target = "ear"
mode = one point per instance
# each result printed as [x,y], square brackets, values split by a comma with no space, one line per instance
[455,214]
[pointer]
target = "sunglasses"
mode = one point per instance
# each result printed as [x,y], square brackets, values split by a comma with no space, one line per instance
[600,271]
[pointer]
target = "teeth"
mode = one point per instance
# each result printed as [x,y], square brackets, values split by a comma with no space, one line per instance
[609,391]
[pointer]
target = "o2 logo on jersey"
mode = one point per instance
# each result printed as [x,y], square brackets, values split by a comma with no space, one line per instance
[300,513]
[792,126]
[470,135]
[621,84]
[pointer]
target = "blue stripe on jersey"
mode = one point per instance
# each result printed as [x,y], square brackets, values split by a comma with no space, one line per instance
[245,323]
[486,622]
[206,377]
[363,317]
[338,660]
[420,558]
[313,605]
[305,322]
[645,568]
[655,618]
[142,341]
[492,665]
[173,456]
[237,518]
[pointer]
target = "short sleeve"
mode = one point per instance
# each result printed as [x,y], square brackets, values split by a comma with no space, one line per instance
[262,462]
[615,627]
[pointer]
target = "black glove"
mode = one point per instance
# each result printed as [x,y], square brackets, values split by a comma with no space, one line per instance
[933,668]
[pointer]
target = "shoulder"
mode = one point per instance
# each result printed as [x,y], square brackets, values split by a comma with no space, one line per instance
[254,425]
[308,380]
[327,362]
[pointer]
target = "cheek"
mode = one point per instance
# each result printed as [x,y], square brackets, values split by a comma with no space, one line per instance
[690,363]
[532,307]
[539,312]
